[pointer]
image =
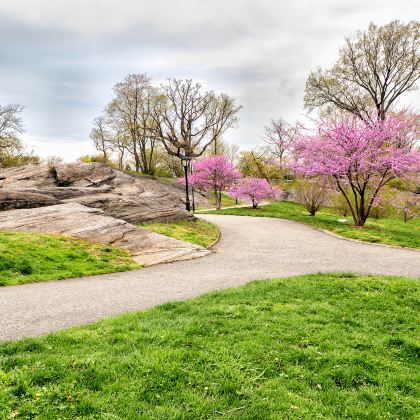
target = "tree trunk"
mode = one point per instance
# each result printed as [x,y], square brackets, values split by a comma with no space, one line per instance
[360,219]
[217,198]
[137,162]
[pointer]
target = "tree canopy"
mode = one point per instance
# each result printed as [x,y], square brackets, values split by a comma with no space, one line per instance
[374,68]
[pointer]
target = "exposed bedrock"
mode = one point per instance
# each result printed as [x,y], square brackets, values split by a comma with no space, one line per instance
[73,219]
[129,197]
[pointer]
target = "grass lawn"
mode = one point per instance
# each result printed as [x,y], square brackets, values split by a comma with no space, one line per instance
[28,257]
[390,230]
[197,232]
[227,200]
[315,346]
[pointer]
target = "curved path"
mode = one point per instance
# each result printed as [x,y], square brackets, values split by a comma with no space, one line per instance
[250,248]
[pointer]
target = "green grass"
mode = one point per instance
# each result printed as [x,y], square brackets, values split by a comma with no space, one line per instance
[316,346]
[227,201]
[391,231]
[29,257]
[198,232]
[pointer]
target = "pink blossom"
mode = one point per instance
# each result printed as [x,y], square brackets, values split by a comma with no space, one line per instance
[254,190]
[364,156]
[214,173]
[407,203]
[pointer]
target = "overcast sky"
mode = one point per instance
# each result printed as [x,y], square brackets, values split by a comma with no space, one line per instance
[60,58]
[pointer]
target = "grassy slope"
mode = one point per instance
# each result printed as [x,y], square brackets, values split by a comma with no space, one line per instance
[29,257]
[197,232]
[227,201]
[390,231]
[317,346]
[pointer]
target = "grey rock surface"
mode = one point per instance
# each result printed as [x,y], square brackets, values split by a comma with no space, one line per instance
[10,199]
[132,198]
[73,219]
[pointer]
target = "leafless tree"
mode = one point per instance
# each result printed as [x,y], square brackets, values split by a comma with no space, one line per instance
[231,150]
[280,137]
[131,111]
[119,143]
[374,69]
[101,137]
[11,127]
[312,194]
[188,120]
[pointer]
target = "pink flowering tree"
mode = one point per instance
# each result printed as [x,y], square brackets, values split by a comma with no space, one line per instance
[360,158]
[407,203]
[254,190]
[214,173]
[280,137]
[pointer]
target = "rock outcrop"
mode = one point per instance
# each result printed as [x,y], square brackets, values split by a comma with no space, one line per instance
[24,199]
[73,219]
[132,198]
[97,203]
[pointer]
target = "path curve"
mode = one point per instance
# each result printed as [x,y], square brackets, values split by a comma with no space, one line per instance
[250,248]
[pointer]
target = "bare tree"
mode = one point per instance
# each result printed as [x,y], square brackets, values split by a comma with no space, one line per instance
[280,137]
[101,137]
[374,69]
[231,150]
[131,111]
[189,120]
[11,127]
[119,143]
[312,194]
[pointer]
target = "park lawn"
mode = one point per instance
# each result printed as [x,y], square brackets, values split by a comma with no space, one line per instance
[315,346]
[29,257]
[391,231]
[197,231]
[227,201]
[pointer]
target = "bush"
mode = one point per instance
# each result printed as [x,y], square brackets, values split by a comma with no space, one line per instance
[312,193]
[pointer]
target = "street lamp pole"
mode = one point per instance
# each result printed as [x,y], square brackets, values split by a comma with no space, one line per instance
[186,163]
[192,192]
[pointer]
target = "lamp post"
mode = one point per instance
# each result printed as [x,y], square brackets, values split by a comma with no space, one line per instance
[192,191]
[185,161]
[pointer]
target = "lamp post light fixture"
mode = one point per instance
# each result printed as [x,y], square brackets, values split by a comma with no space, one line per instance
[185,161]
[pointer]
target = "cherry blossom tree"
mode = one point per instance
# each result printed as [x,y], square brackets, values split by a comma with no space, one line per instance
[254,190]
[280,136]
[359,157]
[213,173]
[407,203]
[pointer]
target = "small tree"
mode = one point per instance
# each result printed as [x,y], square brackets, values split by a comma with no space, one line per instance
[213,173]
[407,203]
[11,127]
[280,136]
[359,157]
[254,190]
[312,194]
[100,136]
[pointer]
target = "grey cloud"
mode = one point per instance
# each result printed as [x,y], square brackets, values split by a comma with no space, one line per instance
[61,58]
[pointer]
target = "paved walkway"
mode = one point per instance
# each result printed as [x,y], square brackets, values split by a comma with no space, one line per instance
[250,249]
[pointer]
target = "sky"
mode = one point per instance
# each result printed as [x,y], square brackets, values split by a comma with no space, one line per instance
[61,58]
